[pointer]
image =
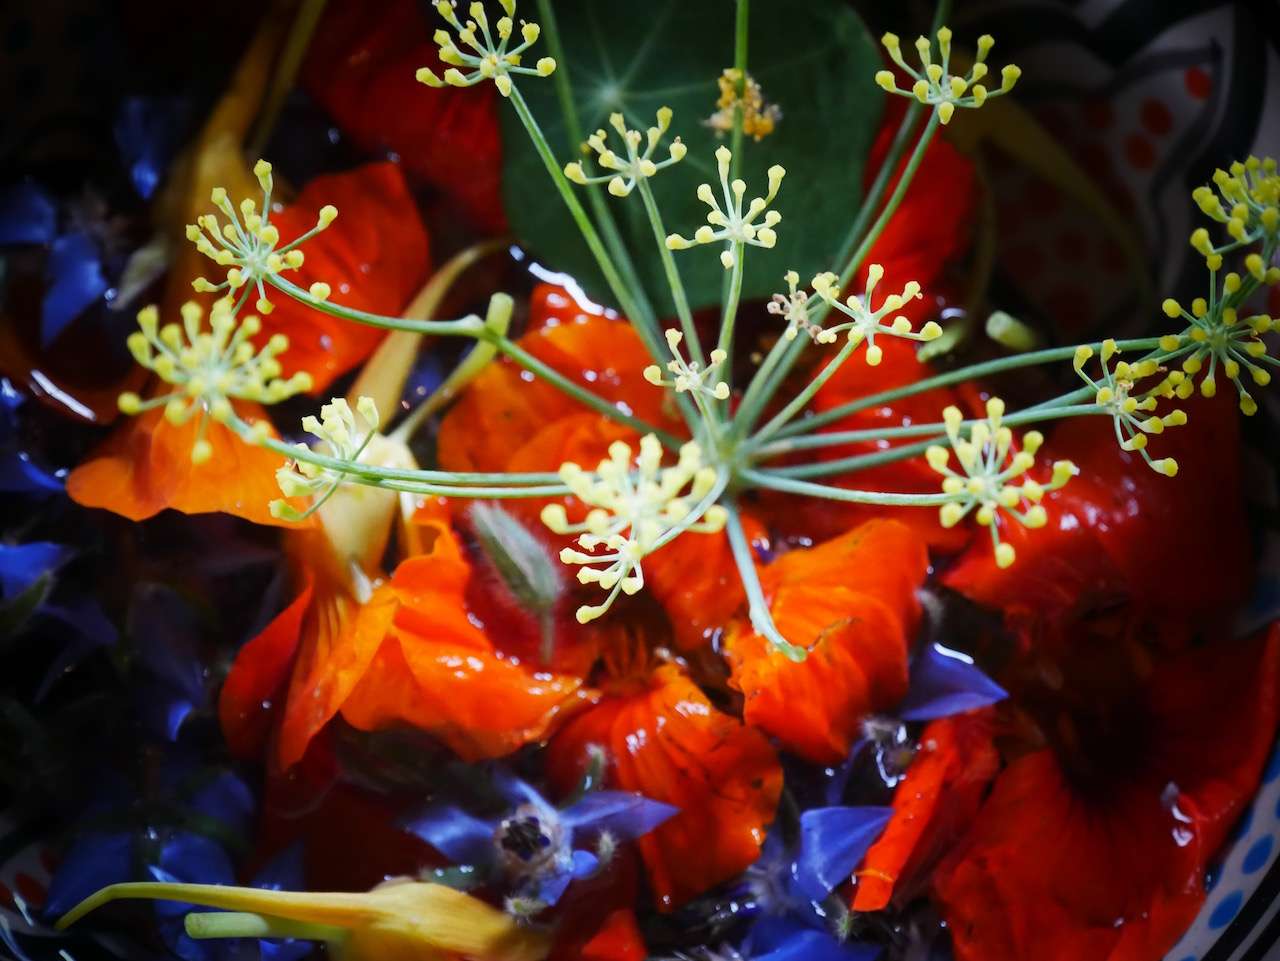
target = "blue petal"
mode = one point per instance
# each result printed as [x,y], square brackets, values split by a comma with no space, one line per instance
[832,842]
[27,215]
[91,631]
[170,917]
[21,565]
[19,476]
[785,939]
[585,864]
[227,798]
[623,814]
[515,791]
[195,859]
[92,862]
[552,886]
[459,836]
[946,682]
[147,132]
[284,872]
[75,282]
[166,630]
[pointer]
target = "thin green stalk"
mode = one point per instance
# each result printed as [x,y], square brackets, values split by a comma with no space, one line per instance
[757,604]
[741,21]
[754,399]
[678,295]
[573,129]
[626,301]
[846,252]
[777,482]
[837,438]
[1049,355]
[470,326]
[242,924]
[730,317]
[644,322]
[798,402]
[540,369]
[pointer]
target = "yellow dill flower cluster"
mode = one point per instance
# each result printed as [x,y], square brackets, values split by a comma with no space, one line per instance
[634,511]
[688,376]
[1131,409]
[1220,334]
[342,438]
[638,164]
[729,223]
[249,249]
[758,118]
[493,57]
[864,321]
[210,367]
[934,85]
[992,479]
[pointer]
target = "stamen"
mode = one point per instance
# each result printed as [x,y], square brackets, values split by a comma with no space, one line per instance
[490,60]
[639,164]
[935,86]
[735,226]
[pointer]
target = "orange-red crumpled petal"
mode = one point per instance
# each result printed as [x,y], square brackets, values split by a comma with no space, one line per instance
[1052,872]
[935,801]
[820,519]
[668,742]
[375,257]
[258,677]
[1119,530]
[144,466]
[362,68]
[851,601]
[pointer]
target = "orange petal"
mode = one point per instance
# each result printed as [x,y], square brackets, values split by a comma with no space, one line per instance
[852,602]
[667,742]
[257,678]
[375,256]
[936,799]
[145,466]
[505,408]
[340,638]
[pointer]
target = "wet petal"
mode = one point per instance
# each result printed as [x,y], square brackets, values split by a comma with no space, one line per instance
[621,813]
[667,742]
[459,836]
[945,682]
[851,601]
[832,842]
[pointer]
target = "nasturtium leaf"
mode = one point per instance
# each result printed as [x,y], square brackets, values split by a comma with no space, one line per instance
[815,60]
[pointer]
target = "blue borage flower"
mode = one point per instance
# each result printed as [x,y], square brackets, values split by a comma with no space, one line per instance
[534,850]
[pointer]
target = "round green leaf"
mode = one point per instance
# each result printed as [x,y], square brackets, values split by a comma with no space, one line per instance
[814,60]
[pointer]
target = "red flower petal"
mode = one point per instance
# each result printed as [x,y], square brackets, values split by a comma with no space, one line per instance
[850,600]
[931,225]
[1122,530]
[257,679]
[375,257]
[362,68]
[1106,861]
[936,799]
[666,741]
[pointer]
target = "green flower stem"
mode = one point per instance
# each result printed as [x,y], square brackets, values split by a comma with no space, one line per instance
[645,325]
[573,129]
[579,393]
[987,368]
[741,20]
[798,402]
[678,295]
[858,462]
[695,515]
[757,605]
[641,319]
[837,438]
[777,482]
[730,317]
[243,924]
[470,326]
[762,386]
[444,479]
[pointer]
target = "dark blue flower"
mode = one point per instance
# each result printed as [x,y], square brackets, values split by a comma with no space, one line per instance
[786,939]
[18,474]
[535,848]
[946,682]
[148,130]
